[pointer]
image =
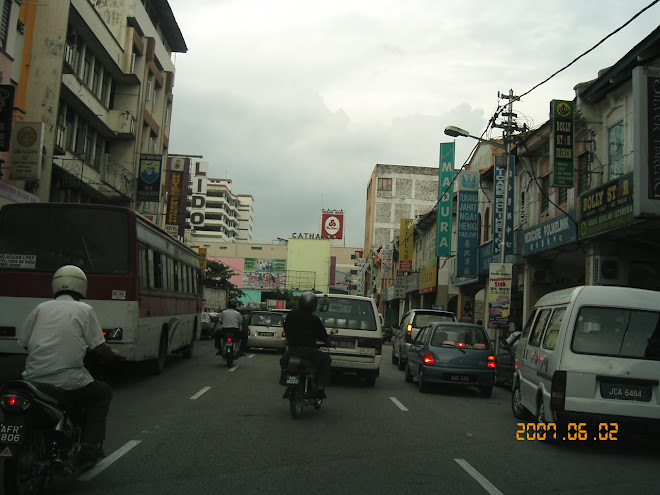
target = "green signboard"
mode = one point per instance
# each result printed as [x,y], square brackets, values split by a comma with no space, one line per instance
[561,143]
[607,207]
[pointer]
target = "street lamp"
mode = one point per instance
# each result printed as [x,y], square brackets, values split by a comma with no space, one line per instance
[454,131]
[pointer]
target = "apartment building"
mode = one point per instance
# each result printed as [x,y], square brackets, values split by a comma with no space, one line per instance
[99,83]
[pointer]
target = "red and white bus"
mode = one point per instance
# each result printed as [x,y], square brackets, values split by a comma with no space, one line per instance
[143,283]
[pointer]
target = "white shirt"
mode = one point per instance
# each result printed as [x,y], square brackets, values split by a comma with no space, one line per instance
[230,318]
[57,334]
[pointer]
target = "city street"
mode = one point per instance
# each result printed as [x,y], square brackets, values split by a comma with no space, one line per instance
[201,427]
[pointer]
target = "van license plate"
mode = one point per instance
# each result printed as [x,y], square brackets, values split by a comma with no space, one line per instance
[344,344]
[625,391]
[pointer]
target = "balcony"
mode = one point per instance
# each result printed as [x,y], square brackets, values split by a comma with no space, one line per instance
[123,123]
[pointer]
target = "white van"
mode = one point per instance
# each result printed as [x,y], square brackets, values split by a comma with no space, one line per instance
[354,325]
[589,358]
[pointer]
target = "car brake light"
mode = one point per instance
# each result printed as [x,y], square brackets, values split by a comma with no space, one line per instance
[14,403]
[409,328]
[558,391]
[429,358]
[228,339]
[460,344]
[491,362]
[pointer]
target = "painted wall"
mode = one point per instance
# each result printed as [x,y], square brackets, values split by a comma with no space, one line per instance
[307,256]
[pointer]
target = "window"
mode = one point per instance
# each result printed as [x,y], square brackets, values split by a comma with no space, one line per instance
[563,195]
[96,78]
[89,145]
[4,23]
[545,194]
[615,150]
[70,128]
[384,184]
[584,176]
[105,88]
[537,330]
[87,66]
[143,274]
[551,334]
[156,269]
[81,135]
[523,208]
[148,97]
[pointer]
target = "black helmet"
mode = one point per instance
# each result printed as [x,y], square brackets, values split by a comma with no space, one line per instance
[308,301]
[232,304]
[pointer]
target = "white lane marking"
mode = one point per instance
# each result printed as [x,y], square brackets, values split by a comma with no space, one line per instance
[88,475]
[398,404]
[489,487]
[200,393]
[233,368]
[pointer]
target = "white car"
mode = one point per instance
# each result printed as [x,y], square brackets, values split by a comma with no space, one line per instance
[266,330]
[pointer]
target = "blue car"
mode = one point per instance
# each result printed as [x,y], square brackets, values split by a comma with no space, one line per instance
[452,353]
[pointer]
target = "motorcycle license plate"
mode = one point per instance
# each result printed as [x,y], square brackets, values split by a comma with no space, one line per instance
[292,380]
[11,434]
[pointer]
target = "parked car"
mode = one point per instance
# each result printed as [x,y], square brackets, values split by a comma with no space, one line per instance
[266,330]
[452,353]
[590,356]
[406,331]
[205,325]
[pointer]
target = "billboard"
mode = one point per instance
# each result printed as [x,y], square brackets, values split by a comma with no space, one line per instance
[177,191]
[148,188]
[264,273]
[332,224]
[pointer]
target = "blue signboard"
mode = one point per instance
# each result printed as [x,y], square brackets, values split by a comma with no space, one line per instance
[503,232]
[468,224]
[547,235]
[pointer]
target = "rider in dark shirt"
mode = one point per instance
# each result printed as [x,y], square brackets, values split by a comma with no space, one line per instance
[303,330]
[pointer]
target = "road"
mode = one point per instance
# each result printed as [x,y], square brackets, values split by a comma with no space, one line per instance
[201,427]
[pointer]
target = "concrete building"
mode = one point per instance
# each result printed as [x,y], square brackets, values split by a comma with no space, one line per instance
[395,192]
[225,216]
[98,80]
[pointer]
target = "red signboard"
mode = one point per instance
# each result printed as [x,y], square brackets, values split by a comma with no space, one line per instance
[332,224]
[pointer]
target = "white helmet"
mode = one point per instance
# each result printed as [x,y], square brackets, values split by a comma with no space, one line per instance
[70,278]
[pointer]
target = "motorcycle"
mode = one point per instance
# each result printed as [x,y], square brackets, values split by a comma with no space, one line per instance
[301,380]
[231,348]
[40,437]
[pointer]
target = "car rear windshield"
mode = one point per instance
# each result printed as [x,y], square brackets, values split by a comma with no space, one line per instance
[349,313]
[266,320]
[93,239]
[422,319]
[466,337]
[617,332]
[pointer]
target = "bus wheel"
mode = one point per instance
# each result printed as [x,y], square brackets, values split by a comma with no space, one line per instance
[158,364]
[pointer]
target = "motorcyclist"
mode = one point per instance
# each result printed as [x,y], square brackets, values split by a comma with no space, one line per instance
[57,335]
[303,330]
[231,322]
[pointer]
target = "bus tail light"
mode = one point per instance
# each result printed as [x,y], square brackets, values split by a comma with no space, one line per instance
[558,391]
[113,333]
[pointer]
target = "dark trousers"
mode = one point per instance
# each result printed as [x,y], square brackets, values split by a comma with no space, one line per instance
[93,401]
[219,334]
[321,361]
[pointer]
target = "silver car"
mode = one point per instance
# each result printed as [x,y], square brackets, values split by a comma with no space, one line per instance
[407,330]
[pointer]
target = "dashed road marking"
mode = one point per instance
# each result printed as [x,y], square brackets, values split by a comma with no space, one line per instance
[398,404]
[88,475]
[489,487]
[200,393]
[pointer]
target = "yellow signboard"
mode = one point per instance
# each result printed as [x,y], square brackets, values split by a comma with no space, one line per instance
[406,245]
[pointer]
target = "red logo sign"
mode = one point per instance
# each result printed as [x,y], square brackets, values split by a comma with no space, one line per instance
[332,225]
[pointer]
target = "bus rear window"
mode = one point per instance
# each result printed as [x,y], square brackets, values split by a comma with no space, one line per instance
[45,238]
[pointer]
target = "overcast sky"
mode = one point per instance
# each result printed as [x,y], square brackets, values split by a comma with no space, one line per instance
[296,101]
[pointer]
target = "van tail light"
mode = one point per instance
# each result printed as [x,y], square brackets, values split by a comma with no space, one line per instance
[228,339]
[429,357]
[491,362]
[409,328]
[376,344]
[558,391]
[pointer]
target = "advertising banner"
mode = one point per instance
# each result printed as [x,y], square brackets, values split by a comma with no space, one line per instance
[332,224]
[26,151]
[148,188]
[607,207]
[6,114]
[499,295]
[177,191]
[406,244]
[445,199]
[468,224]
[561,143]
[262,273]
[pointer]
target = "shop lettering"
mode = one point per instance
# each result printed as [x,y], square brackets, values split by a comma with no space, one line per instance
[593,201]
[564,126]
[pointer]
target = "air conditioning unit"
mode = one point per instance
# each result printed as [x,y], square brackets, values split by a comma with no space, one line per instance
[609,270]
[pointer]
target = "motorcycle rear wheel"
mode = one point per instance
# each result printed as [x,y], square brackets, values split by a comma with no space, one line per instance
[296,404]
[25,473]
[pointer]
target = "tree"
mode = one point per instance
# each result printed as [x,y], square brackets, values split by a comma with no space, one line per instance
[217,275]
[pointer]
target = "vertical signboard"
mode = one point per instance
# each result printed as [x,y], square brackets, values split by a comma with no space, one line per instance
[26,151]
[499,295]
[362,269]
[332,224]
[332,279]
[386,268]
[561,143]
[468,224]
[6,114]
[445,199]
[177,192]
[406,234]
[503,214]
[202,260]
[198,198]
[148,188]
[646,141]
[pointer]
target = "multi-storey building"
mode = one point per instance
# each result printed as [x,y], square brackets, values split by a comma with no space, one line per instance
[99,77]
[227,216]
